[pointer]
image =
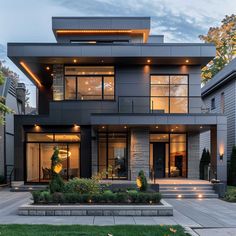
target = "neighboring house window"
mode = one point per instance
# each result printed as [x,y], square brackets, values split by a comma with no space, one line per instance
[213,104]
[169,93]
[89,83]
[222,102]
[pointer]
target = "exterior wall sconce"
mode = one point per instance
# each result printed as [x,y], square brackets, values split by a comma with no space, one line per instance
[221,156]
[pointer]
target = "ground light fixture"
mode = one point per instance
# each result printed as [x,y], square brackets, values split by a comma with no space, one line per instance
[199,195]
[179,196]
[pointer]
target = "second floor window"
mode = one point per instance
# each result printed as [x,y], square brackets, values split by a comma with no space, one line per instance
[169,93]
[222,102]
[213,103]
[89,83]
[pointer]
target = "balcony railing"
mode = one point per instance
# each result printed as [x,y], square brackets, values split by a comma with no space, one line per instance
[153,104]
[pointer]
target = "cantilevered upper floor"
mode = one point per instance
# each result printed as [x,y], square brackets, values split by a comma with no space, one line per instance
[112,64]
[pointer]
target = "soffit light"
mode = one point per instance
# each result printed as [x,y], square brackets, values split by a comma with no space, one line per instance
[91,31]
[187,61]
[47,68]
[148,61]
[33,76]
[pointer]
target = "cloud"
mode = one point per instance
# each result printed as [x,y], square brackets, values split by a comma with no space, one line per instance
[178,20]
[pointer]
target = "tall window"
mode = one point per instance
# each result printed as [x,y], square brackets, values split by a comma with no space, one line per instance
[89,83]
[213,103]
[39,150]
[169,93]
[112,155]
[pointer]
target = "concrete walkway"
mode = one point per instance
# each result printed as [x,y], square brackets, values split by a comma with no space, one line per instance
[197,214]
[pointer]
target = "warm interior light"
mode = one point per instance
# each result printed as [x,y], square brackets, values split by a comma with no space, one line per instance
[31,73]
[103,127]
[74,60]
[76,126]
[74,31]
[47,68]
[157,127]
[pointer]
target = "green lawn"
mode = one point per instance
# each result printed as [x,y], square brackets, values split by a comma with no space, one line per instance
[63,230]
[230,194]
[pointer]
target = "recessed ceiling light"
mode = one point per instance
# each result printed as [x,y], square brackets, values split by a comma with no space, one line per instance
[148,61]
[200,127]
[172,130]
[157,127]
[103,127]
[47,68]
[74,60]
[187,61]
[125,127]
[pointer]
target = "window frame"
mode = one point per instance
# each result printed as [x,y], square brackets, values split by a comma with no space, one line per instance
[222,102]
[97,75]
[213,103]
[169,85]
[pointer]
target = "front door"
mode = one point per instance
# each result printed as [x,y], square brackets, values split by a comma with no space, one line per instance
[159,150]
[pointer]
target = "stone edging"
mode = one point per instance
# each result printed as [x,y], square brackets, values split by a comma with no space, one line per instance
[96,210]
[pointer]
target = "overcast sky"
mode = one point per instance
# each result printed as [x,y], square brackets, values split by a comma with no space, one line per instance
[178,20]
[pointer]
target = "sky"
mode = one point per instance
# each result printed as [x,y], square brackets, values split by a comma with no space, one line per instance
[179,20]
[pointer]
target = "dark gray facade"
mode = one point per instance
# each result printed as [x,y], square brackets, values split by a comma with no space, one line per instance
[121,43]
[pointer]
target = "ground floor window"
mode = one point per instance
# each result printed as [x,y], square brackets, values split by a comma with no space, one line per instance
[39,150]
[112,155]
[168,155]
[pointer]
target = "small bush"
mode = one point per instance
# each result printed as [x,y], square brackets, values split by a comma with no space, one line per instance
[82,186]
[45,196]
[143,179]
[2,179]
[58,197]
[36,196]
[56,184]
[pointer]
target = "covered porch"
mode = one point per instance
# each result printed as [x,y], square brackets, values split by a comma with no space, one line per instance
[182,133]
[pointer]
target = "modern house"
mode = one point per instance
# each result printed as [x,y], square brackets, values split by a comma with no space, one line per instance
[14,97]
[115,100]
[219,96]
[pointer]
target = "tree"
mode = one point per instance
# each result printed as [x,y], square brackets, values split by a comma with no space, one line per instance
[56,183]
[205,160]
[232,167]
[224,38]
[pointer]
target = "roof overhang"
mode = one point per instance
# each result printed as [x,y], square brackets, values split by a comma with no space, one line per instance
[33,58]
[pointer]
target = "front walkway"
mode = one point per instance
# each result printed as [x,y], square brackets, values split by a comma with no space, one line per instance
[194,213]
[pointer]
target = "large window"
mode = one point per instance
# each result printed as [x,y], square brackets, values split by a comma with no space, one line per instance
[89,83]
[39,150]
[112,155]
[169,93]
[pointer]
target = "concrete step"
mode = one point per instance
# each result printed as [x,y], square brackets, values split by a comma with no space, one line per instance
[185,188]
[187,191]
[190,195]
[28,188]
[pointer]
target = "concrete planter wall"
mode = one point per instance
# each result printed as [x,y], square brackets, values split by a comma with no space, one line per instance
[96,210]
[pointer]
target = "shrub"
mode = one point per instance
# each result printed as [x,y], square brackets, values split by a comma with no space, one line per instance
[232,167]
[45,196]
[2,179]
[36,196]
[143,181]
[121,198]
[56,184]
[58,197]
[82,186]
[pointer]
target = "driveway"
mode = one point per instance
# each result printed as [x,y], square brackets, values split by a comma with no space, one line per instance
[206,216]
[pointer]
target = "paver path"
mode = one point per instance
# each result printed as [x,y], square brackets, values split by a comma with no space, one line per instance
[194,213]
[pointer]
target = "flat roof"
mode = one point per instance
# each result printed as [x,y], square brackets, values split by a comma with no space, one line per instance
[62,26]
[222,77]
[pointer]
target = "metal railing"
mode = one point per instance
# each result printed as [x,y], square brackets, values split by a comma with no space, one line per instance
[9,174]
[151,104]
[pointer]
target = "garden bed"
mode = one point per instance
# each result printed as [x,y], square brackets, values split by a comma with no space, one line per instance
[163,209]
